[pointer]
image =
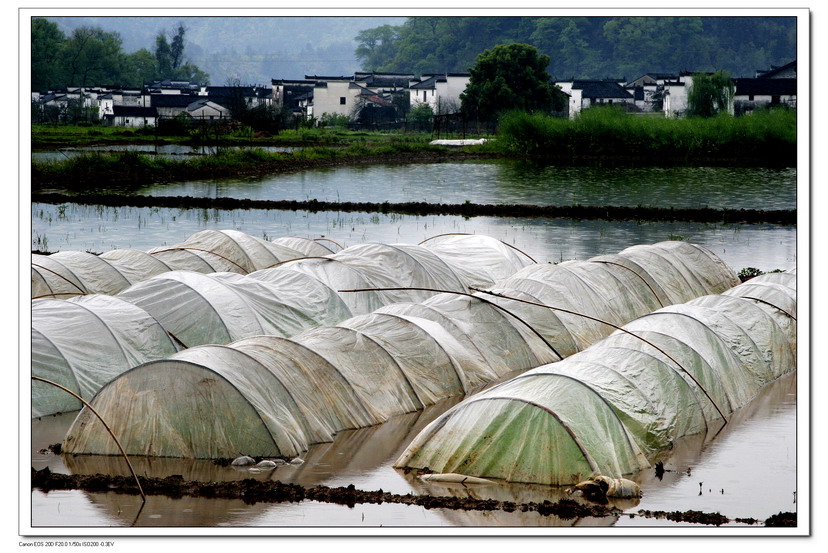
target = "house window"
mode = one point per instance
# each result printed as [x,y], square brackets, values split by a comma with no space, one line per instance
[342,100]
[424,95]
[750,97]
[774,99]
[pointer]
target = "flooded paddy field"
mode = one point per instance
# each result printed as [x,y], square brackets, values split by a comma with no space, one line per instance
[714,473]
[164,150]
[732,482]
[98,229]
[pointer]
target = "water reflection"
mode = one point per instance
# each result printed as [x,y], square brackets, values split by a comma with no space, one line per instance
[513,182]
[165,150]
[98,229]
[764,429]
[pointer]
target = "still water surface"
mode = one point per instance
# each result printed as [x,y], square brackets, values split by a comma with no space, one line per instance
[516,183]
[164,150]
[734,483]
[97,229]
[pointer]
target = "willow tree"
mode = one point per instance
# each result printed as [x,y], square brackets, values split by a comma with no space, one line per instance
[711,93]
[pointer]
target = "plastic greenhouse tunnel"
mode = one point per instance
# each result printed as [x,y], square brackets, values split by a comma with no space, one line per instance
[273,396]
[612,408]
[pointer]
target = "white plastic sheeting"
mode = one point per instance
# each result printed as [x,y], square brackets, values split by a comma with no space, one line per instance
[612,408]
[71,273]
[115,336]
[479,260]
[400,358]
[217,308]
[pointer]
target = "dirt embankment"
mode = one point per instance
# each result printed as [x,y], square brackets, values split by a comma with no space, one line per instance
[468,209]
[255,491]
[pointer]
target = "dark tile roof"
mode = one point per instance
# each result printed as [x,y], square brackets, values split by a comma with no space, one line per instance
[230,91]
[172,100]
[134,111]
[600,89]
[771,73]
[766,87]
[426,84]
[327,78]
[293,82]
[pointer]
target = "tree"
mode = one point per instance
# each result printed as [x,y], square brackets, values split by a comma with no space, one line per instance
[139,68]
[510,77]
[177,47]
[163,56]
[421,116]
[47,42]
[91,56]
[375,46]
[171,61]
[710,94]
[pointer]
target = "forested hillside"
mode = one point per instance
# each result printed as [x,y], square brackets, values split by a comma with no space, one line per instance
[254,50]
[250,50]
[586,47]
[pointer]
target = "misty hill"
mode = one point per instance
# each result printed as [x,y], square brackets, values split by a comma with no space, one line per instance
[253,50]
[588,47]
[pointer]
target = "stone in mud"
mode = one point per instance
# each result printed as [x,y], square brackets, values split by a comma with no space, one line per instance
[243,461]
[601,487]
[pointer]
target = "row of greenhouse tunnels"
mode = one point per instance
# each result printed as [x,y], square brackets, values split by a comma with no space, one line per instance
[227,345]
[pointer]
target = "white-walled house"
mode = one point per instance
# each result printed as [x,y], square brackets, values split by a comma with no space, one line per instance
[133,116]
[675,96]
[206,110]
[584,94]
[757,93]
[334,95]
[440,91]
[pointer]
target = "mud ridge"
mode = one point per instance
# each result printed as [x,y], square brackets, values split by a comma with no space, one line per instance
[254,491]
[467,209]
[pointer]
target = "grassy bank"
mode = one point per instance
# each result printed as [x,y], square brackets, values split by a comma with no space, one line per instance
[767,137]
[58,136]
[125,169]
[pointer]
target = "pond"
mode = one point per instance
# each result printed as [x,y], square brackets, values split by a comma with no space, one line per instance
[486,182]
[166,150]
[732,482]
[97,228]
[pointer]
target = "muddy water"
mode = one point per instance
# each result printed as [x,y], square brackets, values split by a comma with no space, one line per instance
[99,229]
[734,483]
[499,183]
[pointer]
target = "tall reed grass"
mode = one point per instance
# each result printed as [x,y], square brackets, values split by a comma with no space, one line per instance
[609,132]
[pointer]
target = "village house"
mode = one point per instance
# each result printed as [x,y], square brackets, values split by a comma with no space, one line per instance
[752,94]
[207,110]
[675,96]
[293,96]
[584,94]
[132,116]
[648,91]
[348,96]
[440,91]
[381,96]
[787,71]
